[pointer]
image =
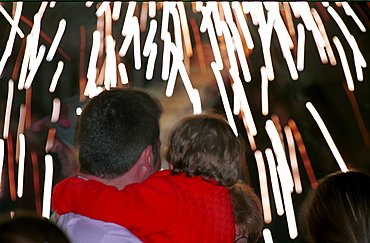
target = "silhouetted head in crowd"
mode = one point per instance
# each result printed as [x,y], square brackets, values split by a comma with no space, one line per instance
[63,147]
[339,209]
[114,129]
[205,145]
[247,212]
[29,228]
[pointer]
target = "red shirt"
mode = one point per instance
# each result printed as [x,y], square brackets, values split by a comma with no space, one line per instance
[163,208]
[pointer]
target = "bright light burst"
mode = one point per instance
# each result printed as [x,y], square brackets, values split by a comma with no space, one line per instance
[232,31]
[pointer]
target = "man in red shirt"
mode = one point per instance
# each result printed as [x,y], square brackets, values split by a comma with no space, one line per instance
[117,139]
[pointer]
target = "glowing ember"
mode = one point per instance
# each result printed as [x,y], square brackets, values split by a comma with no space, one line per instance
[2,153]
[22,153]
[56,41]
[274,182]
[327,136]
[267,236]
[238,47]
[47,186]
[263,185]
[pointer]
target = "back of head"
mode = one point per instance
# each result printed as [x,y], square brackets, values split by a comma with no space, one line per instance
[205,145]
[247,212]
[30,229]
[114,129]
[339,209]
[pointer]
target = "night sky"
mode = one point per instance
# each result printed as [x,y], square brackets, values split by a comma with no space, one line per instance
[346,114]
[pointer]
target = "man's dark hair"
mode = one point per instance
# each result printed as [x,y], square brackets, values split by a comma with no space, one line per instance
[113,130]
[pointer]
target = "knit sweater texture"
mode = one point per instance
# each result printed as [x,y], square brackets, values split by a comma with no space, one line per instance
[163,208]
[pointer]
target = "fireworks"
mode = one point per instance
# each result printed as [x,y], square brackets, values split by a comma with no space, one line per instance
[264,187]
[22,152]
[47,186]
[327,136]
[240,47]
[274,181]
[2,149]
[8,109]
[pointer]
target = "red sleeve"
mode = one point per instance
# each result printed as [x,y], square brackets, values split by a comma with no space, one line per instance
[144,209]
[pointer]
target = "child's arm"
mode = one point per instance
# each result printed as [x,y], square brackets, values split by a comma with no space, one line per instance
[144,208]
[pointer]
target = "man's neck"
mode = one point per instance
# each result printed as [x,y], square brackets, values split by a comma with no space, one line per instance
[118,182]
[134,175]
[138,172]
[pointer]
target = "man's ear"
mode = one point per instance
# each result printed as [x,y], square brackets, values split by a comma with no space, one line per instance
[148,158]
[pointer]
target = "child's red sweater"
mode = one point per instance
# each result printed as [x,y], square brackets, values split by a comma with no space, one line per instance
[163,208]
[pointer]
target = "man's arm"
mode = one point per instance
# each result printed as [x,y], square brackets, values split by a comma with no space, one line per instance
[144,208]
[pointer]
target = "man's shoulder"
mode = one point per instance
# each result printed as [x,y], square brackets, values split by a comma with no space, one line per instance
[82,229]
[161,173]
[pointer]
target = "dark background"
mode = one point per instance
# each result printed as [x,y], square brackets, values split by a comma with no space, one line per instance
[321,84]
